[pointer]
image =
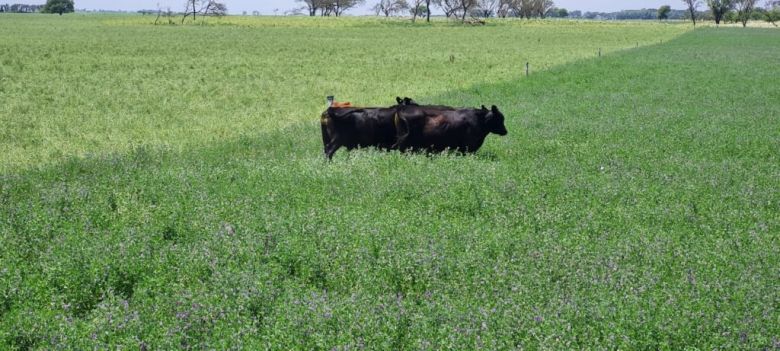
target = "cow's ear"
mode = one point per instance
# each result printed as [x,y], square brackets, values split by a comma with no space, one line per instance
[398,100]
[494,109]
[483,114]
[484,108]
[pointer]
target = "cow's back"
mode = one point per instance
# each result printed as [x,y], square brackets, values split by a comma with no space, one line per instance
[436,128]
[362,126]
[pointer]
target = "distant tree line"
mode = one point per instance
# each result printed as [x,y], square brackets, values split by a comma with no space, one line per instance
[741,11]
[643,14]
[20,8]
[329,7]
[728,11]
[51,6]
[719,10]
[734,11]
[451,8]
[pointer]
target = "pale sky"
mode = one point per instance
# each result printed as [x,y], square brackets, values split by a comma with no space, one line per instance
[267,6]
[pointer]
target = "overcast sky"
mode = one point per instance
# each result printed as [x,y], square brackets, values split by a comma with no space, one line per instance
[268,6]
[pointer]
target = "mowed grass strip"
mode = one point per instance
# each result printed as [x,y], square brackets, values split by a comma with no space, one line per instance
[634,205]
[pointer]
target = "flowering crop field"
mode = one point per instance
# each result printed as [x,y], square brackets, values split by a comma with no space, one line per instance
[163,187]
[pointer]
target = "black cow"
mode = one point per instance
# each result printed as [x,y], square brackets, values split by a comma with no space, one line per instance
[438,128]
[354,127]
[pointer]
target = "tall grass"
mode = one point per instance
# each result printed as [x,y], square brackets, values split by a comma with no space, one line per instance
[634,204]
[83,85]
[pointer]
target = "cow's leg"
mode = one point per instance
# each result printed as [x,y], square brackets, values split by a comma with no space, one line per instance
[400,144]
[332,147]
[325,136]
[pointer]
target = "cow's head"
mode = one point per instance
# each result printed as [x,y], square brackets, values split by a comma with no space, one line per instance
[494,120]
[406,101]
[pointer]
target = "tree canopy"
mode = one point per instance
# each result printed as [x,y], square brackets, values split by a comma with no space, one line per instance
[663,12]
[719,8]
[58,6]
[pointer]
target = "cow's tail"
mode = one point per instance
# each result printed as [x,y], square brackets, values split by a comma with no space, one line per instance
[324,120]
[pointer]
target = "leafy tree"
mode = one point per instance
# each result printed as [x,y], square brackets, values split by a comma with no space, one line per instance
[487,8]
[692,5]
[719,8]
[532,8]
[311,6]
[329,7]
[557,13]
[524,8]
[505,7]
[528,9]
[416,8]
[465,6]
[204,8]
[542,7]
[450,7]
[58,6]
[744,9]
[340,6]
[730,17]
[390,7]
[214,8]
[663,12]
[772,13]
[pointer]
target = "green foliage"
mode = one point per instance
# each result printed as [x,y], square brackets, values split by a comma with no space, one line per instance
[745,10]
[556,12]
[731,17]
[772,15]
[720,8]
[663,12]
[188,205]
[58,6]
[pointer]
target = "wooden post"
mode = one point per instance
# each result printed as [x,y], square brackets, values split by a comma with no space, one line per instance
[527,65]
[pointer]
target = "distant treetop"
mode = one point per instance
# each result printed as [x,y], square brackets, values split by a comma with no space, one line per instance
[58,6]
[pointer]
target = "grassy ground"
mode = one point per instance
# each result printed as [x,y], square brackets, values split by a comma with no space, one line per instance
[91,84]
[162,194]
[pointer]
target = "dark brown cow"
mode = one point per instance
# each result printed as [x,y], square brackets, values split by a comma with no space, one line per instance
[353,127]
[439,128]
